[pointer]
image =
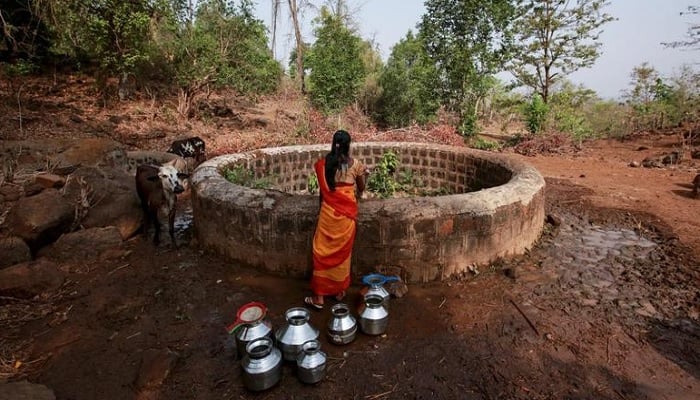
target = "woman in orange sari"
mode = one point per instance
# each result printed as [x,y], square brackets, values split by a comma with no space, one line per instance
[341,181]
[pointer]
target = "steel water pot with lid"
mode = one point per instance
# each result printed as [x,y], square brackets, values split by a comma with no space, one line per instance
[375,286]
[262,365]
[250,324]
[297,331]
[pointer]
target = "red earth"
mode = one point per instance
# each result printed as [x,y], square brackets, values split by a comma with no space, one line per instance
[605,306]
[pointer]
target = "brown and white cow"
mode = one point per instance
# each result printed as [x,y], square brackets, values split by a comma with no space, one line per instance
[158,187]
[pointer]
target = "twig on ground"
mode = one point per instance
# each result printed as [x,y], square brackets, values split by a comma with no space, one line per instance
[380,395]
[133,336]
[525,316]
[117,269]
[444,299]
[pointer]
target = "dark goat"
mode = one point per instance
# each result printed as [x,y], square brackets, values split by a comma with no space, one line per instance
[157,188]
[191,147]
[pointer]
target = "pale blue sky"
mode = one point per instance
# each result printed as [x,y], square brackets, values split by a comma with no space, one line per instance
[634,38]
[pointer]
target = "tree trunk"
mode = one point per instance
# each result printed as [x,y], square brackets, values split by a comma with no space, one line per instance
[300,44]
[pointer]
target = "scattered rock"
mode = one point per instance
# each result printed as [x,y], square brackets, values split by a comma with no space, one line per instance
[646,309]
[672,158]
[32,188]
[640,148]
[24,390]
[634,164]
[397,289]
[85,244]
[11,192]
[30,279]
[589,302]
[50,180]
[14,251]
[554,219]
[76,118]
[41,219]
[651,162]
[156,365]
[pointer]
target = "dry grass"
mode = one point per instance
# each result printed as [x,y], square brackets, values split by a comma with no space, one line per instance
[15,352]
[68,107]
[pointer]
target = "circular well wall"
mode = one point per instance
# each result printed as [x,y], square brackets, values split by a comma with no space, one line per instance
[497,211]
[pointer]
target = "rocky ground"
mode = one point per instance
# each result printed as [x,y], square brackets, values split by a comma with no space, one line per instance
[605,306]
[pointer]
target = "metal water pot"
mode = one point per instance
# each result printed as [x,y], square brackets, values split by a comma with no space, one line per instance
[342,327]
[297,331]
[375,286]
[250,324]
[311,362]
[262,365]
[373,316]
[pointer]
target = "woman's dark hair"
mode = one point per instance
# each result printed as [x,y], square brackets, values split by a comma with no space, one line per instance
[339,156]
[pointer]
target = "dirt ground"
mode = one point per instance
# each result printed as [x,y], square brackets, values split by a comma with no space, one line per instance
[605,306]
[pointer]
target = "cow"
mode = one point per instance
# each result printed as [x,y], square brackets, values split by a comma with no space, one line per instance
[193,147]
[157,188]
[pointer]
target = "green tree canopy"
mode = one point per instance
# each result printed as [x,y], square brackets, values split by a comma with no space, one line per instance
[408,84]
[554,39]
[468,40]
[335,63]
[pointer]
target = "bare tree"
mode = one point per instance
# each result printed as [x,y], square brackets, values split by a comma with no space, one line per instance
[294,12]
[275,14]
[692,40]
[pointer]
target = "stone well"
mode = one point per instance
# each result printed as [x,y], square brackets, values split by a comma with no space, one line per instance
[498,211]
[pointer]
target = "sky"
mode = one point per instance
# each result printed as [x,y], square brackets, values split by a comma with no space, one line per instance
[634,38]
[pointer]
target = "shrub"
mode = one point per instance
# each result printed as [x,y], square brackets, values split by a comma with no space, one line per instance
[381,180]
[536,114]
[243,176]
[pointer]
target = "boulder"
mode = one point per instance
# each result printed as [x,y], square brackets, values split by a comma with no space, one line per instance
[30,279]
[24,390]
[136,158]
[41,219]
[14,251]
[111,195]
[85,244]
[11,192]
[48,180]
[32,188]
[91,152]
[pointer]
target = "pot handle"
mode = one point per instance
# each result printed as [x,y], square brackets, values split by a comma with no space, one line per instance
[234,326]
[391,279]
[373,279]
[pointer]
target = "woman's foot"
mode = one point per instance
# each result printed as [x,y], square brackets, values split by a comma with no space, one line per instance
[314,302]
[340,296]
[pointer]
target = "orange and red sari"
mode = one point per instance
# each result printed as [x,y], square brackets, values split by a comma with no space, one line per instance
[334,237]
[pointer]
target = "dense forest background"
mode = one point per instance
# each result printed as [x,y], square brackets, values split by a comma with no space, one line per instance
[446,71]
